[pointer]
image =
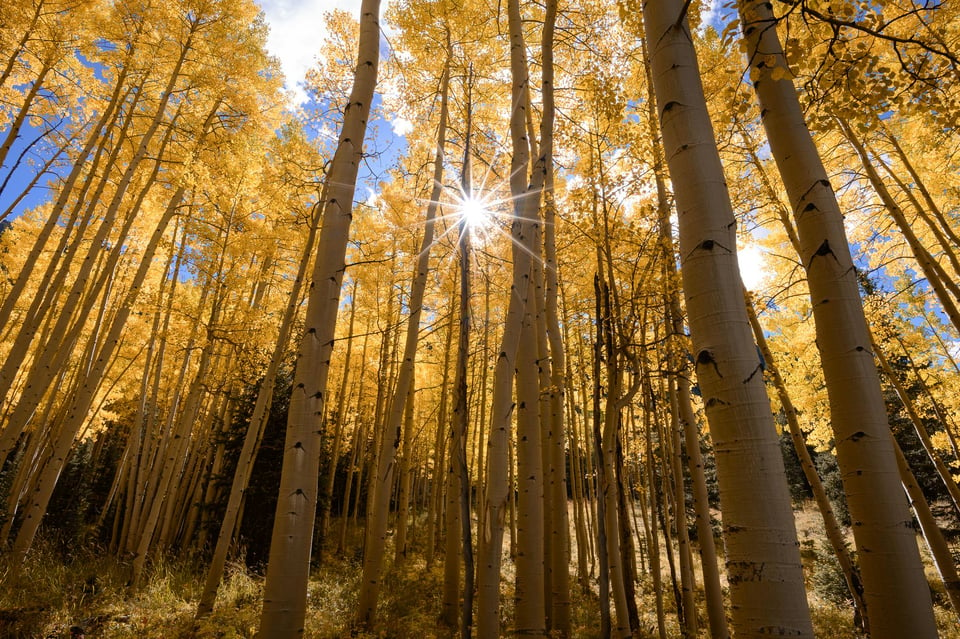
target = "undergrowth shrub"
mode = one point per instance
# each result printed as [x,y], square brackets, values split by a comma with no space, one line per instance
[828,580]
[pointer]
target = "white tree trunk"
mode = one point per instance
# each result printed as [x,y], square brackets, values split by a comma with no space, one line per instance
[763,560]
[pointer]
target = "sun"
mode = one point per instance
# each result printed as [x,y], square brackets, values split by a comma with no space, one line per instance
[475,213]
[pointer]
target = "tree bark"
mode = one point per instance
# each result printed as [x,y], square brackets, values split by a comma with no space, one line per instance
[895,590]
[763,561]
[285,589]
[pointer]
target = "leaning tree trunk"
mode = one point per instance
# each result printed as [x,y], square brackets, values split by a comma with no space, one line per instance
[285,589]
[939,550]
[895,589]
[763,560]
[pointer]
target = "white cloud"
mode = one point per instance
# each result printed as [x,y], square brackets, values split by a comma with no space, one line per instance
[296,30]
[401,126]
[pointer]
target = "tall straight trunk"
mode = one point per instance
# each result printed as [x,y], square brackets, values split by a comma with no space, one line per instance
[285,588]
[579,448]
[482,417]
[530,603]
[713,593]
[176,449]
[326,490]
[406,480]
[376,530]
[450,604]
[830,524]
[603,572]
[150,409]
[437,479]
[763,560]
[531,594]
[388,348]
[523,233]
[559,535]
[254,434]
[607,454]
[628,552]
[688,584]
[653,545]
[354,452]
[897,597]
[461,405]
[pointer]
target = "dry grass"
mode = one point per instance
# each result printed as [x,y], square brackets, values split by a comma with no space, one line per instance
[54,592]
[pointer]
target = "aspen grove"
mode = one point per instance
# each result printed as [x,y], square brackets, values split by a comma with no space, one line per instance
[566,318]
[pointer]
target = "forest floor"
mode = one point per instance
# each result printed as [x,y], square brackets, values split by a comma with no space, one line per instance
[56,590]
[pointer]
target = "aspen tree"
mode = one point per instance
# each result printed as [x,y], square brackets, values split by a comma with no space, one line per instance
[897,597]
[326,491]
[920,184]
[763,563]
[435,507]
[28,28]
[831,526]
[82,400]
[482,417]
[523,234]
[618,397]
[530,604]
[52,355]
[461,406]
[687,581]
[102,350]
[355,445]
[653,545]
[601,529]
[578,472]
[146,410]
[285,589]
[944,239]
[459,485]
[382,486]
[176,452]
[94,141]
[556,485]
[13,128]
[681,395]
[406,480]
